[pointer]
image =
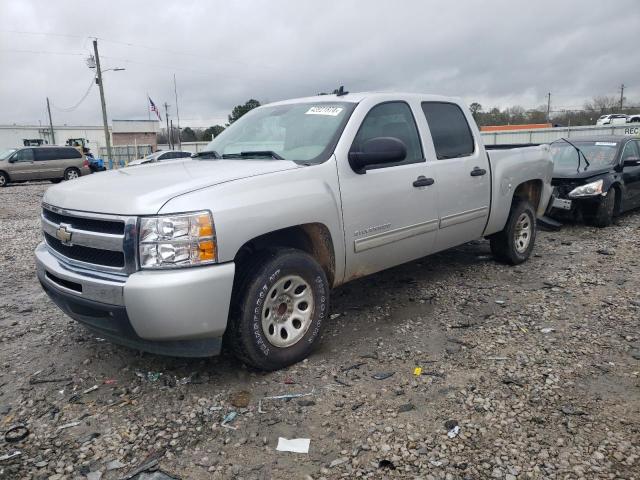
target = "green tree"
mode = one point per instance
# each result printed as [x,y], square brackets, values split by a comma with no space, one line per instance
[239,110]
[475,108]
[212,132]
[188,135]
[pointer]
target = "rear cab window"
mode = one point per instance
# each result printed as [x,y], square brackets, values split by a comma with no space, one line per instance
[450,131]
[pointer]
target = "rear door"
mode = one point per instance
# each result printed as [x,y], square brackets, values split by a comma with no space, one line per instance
[45,161]
[389,216]
[23,165]
[462,169]
[631,175]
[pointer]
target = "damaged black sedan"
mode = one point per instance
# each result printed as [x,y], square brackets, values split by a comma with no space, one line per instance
[595,178]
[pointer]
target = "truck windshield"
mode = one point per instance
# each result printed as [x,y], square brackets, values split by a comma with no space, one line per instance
[305,132]
[599,154]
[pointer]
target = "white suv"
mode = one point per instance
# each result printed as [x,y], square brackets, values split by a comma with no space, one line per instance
[613,119]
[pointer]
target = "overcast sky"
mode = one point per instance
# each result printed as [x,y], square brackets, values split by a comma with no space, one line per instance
[498,53]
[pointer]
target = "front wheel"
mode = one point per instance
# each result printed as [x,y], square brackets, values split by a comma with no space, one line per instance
[601,214]
[4,179]
[71,173]
[280,302]
[514,244]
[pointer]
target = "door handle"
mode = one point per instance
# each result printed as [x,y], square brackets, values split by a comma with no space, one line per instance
[423,181]
[478,172]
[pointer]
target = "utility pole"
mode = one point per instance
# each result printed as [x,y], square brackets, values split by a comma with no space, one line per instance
[102,101]
[621,95]
[53,137]
[166,116]
[175,90]
[549,107]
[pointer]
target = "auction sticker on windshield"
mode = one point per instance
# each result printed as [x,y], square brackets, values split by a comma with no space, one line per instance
[606,144]
[331,111]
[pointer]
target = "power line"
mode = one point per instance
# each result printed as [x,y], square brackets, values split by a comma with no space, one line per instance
[40,52]
[82,99]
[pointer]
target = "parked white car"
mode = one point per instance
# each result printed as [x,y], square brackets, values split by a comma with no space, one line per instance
[161,156]
[634,118]
[245,242]
[612,119]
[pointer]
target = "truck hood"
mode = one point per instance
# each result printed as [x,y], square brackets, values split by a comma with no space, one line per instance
[142,190]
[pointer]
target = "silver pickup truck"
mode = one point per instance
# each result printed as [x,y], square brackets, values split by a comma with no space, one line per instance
[242,244]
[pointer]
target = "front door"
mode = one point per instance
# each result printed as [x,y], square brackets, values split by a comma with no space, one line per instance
[390,211]
[631,175]
[23,166]
[464,178]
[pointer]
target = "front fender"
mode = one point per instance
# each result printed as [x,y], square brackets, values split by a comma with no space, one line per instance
[248,208]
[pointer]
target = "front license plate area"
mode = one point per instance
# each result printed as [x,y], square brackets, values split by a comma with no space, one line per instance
[561,203]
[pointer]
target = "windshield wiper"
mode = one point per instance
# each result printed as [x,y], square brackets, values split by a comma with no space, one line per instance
[206,154]
[580,152]
[260,153]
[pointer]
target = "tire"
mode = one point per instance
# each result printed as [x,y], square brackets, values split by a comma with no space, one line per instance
[601,215]
[4,179]
[259,316]
[71,174]
[55,180]
[514,244]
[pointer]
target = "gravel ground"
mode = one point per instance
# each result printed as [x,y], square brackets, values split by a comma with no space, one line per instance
[527,372]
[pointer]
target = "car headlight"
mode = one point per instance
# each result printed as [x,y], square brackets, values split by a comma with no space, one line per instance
[588,190]
[180,240]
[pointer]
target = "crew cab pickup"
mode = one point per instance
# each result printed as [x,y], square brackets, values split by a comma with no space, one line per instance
[244,242]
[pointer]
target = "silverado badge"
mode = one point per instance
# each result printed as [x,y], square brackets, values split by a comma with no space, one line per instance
[63,234]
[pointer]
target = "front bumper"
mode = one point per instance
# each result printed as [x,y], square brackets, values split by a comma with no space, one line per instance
[180,312]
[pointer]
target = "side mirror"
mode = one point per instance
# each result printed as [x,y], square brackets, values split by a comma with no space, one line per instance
[378,150]
[631,162]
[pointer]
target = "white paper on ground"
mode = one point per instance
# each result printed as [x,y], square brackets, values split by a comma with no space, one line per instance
[296,445]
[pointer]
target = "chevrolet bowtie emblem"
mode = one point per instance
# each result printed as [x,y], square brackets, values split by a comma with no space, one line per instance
[63,234]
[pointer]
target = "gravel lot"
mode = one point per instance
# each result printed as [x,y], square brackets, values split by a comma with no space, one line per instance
[538,366]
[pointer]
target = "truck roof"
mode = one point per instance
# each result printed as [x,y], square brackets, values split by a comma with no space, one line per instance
[360,96]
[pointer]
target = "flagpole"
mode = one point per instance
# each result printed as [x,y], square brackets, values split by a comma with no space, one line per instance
[148,108]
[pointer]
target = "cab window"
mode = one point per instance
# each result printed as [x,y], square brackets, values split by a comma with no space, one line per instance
[450,131]
[24,155]
[391,119]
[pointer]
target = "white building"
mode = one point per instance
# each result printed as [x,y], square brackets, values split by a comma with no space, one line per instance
[123,131]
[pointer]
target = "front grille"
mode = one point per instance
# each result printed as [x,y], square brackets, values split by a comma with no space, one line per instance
[86,254]
[89,224]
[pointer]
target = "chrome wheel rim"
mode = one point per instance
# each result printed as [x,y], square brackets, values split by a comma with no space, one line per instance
[71,174]
[3,180]
[523,233]
[287,311]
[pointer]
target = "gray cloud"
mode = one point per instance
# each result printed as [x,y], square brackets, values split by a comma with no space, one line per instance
[498,53]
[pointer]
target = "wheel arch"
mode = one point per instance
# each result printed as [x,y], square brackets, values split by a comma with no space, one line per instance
[531,191]
[312,238]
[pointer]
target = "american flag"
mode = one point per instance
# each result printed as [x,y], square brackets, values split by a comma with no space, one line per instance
[154,108]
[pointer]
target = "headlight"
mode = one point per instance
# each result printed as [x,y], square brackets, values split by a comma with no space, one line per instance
[588,190]
[181,240]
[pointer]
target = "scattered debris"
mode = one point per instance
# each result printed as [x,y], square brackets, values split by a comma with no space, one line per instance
[450,424]
[149,463]
[417,371]
[16,433]
[386,464]
[547,330]
[382,375]
[354,366]
[9,456]
[453,433]
[407,407]
[605,251]
[295,445]
[68,425]
[229,417]
[89,390]
[240,399]
[115,465]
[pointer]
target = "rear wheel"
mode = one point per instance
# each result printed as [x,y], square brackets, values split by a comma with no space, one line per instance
[71,173]
[55,180]
[514,244]
[601,214]
[4,179]
[280,301]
